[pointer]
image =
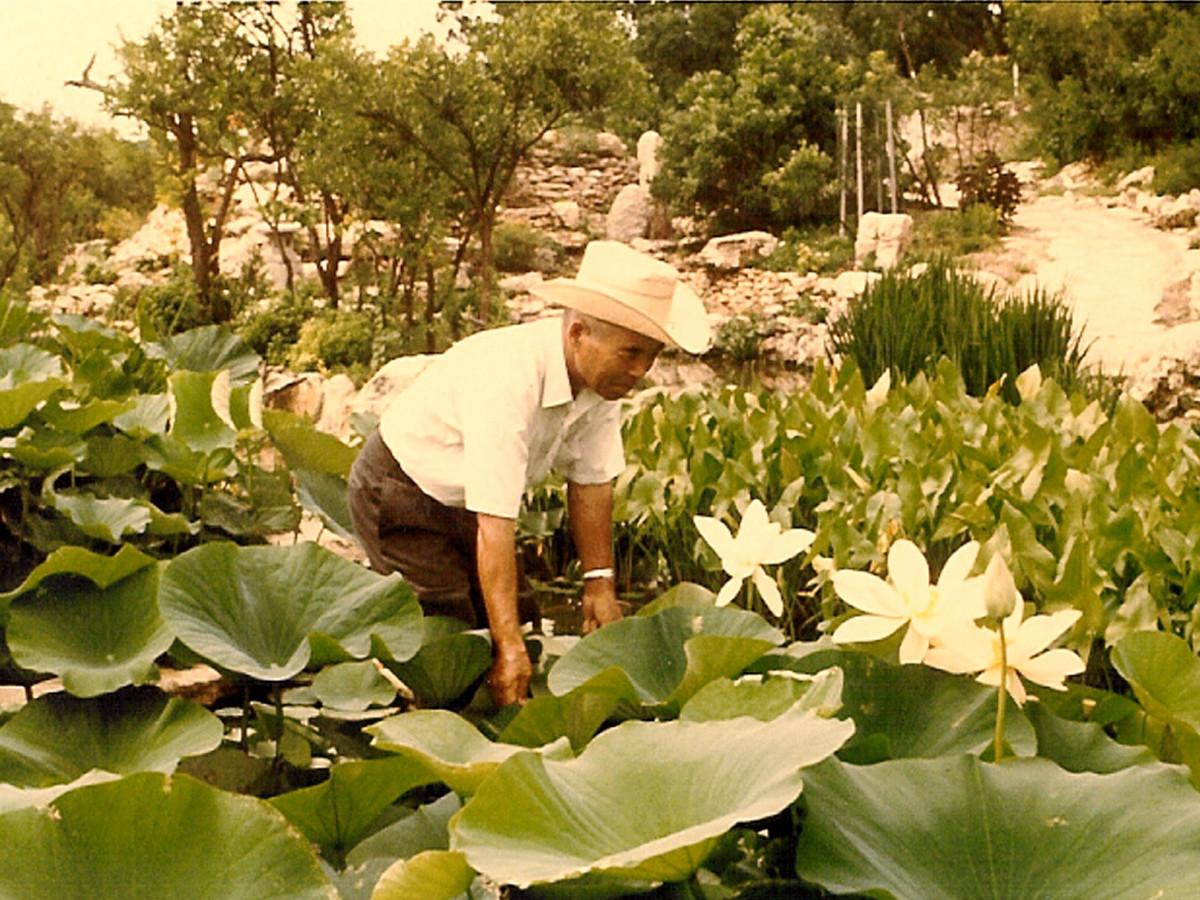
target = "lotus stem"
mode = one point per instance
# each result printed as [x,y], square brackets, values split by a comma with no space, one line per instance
[1002,705]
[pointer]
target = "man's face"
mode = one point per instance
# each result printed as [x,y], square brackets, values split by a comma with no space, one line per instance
[608,358]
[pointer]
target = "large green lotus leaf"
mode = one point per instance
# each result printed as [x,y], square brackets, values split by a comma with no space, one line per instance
[430,875]
[209,348]
[13,797]
[97,639]
[58,738]
[18,401]
[109,455]
[325,494]
[106,519]
[686,593]
[576,715]
[338,813]
[955,828]
[43,450]
[103,571]
[449,663]
[645,800]
[177,459]
[259,611]
[670,655]
[1081,746]
[149,835]
[764,699]
[352,686]
[304,446]
[1164,673]
[449,746]
[80,419]
[150,414]
[194,418]
[911,711]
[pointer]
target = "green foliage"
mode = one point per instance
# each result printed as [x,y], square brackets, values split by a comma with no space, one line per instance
[167,308]
[1177,168]
[333,341]
[1106,80]
[749,149]
[740,337]
[905,325]
[273,330]
[515,247]
[953,233]
[988,181]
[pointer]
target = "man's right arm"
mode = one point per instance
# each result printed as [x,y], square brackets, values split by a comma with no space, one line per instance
[496,549]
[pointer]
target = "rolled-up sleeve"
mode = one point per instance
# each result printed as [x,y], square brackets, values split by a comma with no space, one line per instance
[594,453]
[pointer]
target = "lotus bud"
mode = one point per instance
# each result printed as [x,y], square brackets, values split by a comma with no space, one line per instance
[999,591]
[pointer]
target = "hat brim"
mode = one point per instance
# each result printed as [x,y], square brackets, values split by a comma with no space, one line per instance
[685,327]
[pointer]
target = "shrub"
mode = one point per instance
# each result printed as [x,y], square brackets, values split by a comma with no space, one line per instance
[164,309]
[1177,169]
[906,324]
[988,181]
[273,330]
[740,337]
[515,247]
[334,340]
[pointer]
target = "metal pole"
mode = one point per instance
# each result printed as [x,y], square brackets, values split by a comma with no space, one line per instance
[858,182]
[844,140]
[891,152]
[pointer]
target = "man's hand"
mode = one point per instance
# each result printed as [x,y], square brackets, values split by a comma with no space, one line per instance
[509,677]
[599,604]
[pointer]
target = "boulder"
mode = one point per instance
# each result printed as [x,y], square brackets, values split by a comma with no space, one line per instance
[608,144]
[163,234]
[1142,176]
[647,157]
[629,216]
[567,212]
[733,251]
[386,384]
[887,235]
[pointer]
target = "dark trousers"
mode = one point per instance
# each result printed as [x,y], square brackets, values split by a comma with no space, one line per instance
[403,529]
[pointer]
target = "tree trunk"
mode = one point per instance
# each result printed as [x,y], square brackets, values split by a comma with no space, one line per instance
[485,269]
[193,214]
[430,302]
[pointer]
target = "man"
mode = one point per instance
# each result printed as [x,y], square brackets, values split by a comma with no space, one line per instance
[435,492]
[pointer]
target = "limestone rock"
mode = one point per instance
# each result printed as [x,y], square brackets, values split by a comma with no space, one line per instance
[1142,176]
[887,235]
[163,234]
[567,212]
[647,156]
[386,384]
[733,251]
[608,144]
[630,214]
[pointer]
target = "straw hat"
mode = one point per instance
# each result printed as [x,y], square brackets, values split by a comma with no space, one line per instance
[620,285]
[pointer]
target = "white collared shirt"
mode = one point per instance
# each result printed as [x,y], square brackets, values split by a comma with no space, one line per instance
[494,414]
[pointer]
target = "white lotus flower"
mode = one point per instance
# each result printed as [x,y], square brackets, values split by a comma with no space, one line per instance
[759,542]
[969,648]
[907,598]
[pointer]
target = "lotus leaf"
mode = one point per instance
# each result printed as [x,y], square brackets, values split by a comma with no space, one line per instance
[83,418]
[149,835]
[576,715]
[96,638]
[150,414]
[209,348]
[106,519]
[12,797]
[109,455]
[195,419]
[911,711]
[305,447]
[645,800]
[352,686]
[1164,673]
[325,494]
[670,655]
[1081,746]
[58,738]
[423,829]
[103,571]
[945,829]
[430,875]
[449,663]
[765,699]
[448,745]
[267,612]
[175,458]
[19,400]
[338,813]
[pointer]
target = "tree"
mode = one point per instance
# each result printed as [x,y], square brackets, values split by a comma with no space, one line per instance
[181,81]
[737,137]
[474,110]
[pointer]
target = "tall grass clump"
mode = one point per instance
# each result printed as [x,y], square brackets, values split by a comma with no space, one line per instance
[906,323]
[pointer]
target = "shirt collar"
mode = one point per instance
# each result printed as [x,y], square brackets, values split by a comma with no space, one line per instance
[556,389]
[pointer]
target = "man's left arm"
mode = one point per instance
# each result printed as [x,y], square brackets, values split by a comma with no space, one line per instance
[590,510]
